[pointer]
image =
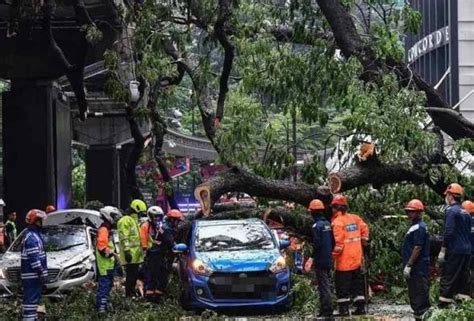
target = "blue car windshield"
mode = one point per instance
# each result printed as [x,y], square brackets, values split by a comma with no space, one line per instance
[233,237]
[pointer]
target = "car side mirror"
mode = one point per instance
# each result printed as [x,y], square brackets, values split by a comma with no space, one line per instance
[284,244]
[180,248]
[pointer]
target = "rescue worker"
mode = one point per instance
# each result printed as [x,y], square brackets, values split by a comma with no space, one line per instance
[34,270]
[149,232]
[50,209]
[131,253]
[416,259]
[468,206]
[165,247]
[10,229]
[106,256]
[323,242]
[351,234]
[455,254]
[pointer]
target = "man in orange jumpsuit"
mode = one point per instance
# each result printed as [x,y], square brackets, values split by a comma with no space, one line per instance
[351,233]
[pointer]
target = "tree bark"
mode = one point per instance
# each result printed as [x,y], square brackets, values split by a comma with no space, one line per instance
[74,72]
[134,157]
[159,125]
[221,34]
[240,180]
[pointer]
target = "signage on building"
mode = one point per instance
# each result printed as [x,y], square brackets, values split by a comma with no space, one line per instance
[432,41]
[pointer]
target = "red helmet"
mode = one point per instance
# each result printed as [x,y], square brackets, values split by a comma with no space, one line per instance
[34,215]
[315,205]
[454,188]
[339,200]
[175,214]
[468,206]
[415,205]
[50,208]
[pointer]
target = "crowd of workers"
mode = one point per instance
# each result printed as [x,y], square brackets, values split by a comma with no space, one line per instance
[341,241]
[143,250]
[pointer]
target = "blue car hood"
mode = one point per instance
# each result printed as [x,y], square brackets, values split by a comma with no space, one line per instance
[239,261]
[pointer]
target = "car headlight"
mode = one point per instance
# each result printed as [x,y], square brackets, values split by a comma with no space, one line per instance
[200,268]
[2,274]
[279,265]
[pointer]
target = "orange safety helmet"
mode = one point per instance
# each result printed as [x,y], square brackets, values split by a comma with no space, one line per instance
[454,188]
[339,200]
[34,215]
[415,205]
[316,205]
[468,206]
[175,214]
[50,208]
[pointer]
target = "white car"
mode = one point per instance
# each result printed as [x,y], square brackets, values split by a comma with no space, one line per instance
[69,238]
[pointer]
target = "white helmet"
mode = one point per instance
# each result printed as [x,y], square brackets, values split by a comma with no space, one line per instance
[154,211]
[110,214]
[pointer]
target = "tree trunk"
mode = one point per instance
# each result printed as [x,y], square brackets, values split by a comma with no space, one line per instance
[134,157]
[240,180]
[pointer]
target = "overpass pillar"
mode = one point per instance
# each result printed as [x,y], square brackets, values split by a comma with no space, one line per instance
[36,147]
[103,174]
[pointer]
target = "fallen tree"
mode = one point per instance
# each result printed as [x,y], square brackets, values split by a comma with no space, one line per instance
[372,172]
[211,104]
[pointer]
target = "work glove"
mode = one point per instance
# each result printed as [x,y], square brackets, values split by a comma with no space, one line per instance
[128,256]
[442,255]
[117,257]
[407,272]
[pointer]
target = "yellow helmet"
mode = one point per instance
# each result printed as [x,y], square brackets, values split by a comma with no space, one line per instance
[138,206]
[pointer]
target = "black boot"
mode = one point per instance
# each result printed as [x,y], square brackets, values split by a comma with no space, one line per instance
[343,309]
[325,315]
[360,309]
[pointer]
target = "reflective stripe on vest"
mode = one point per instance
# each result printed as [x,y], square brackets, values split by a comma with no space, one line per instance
[352,239]
[105,263]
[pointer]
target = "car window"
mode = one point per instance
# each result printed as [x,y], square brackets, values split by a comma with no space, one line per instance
[57,239]
[233,237]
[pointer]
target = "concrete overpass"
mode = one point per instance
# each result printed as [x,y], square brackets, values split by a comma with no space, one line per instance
[36,118]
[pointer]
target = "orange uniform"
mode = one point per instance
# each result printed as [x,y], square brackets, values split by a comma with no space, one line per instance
[145,235]
[103,240]
[349,230]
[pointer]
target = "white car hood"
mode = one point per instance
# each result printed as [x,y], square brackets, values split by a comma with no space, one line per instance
[61,259]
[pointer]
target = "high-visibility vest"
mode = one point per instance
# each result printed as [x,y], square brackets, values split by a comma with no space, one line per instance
[105,244]
[349,230]
[129,236]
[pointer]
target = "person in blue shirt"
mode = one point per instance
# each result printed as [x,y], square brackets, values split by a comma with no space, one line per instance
[455,255]
[416,259]
[34,270]
[323,243]
[468,206]
[165,241]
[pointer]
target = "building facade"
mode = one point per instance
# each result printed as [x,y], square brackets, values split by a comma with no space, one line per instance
[442,51]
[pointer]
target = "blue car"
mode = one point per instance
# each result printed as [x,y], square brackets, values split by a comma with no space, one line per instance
[233,263]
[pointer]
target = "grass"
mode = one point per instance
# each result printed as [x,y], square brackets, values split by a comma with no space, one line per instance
[80,305]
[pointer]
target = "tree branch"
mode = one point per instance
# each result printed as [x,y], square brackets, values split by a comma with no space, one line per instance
[134,157]
[203,96]
[240,180]
[221,35]
[351,44]
[159,130]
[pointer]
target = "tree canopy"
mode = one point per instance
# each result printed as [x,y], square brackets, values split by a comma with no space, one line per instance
[334,67]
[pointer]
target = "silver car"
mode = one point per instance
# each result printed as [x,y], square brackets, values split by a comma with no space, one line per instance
[70,251]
